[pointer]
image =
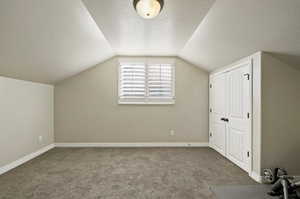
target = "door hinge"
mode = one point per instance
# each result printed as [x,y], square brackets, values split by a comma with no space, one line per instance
[210,134]
[248,115]
[248,154]
[210,86]
[210,110]
[248,76]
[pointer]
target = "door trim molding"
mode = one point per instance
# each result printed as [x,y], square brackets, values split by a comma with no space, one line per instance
[255,176]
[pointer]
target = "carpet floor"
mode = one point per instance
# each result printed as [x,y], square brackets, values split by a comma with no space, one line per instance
[122,173]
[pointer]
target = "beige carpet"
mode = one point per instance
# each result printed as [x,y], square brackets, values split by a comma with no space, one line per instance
[124,173]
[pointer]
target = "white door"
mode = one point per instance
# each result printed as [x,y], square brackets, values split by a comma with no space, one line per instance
[238,126]
[217,112]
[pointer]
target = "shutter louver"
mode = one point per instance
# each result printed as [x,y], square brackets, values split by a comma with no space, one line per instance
[160,82]
[133,81]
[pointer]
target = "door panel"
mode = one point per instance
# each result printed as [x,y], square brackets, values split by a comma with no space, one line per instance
[218,111]
[219,95]
[235,143]
[238,127]
[236,94]
[219,136]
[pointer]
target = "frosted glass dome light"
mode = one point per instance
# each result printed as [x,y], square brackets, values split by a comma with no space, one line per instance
[148,9]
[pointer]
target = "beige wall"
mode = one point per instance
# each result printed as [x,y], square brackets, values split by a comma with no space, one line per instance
[280,115]
[86,109]
[26,113]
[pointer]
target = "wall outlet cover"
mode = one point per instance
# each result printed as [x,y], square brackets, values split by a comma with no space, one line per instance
[172,132]
[40,139]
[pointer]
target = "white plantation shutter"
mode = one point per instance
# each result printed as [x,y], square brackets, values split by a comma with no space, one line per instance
[142,83]
[160,81]
[132,81]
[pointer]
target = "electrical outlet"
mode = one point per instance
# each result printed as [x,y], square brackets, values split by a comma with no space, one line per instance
[40,139]
[172,132]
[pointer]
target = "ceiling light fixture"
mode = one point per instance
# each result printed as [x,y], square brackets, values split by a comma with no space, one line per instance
[148,9]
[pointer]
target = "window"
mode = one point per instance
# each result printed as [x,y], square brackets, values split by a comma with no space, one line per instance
[146,82]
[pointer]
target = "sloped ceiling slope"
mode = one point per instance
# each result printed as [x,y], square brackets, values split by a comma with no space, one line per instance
[49,40]
[130,34]
[234,29]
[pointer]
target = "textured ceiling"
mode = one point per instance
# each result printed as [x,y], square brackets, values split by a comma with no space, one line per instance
[50,40]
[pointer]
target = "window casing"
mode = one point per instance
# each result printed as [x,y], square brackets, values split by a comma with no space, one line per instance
[147,82]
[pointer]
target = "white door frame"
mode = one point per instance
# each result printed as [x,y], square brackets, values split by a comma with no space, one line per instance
[230,68]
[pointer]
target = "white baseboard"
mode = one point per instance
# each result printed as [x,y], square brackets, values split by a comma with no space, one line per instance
[255,176]
[138,144]
[24,159]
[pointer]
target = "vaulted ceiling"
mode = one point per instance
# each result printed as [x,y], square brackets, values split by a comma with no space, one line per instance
[234,29]
[50,40]
[130,34]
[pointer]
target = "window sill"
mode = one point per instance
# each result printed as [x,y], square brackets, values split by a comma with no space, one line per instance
[146,103]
